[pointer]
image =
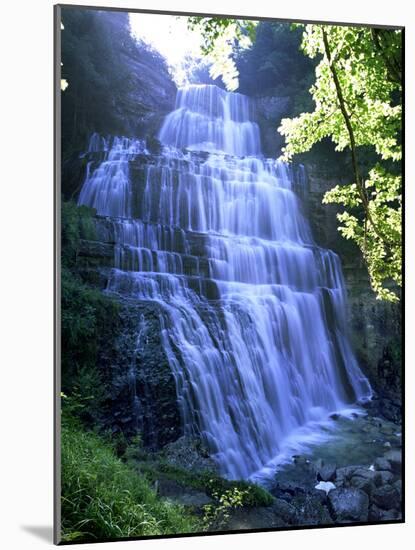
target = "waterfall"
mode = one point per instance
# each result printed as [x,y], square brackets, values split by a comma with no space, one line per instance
[253,315]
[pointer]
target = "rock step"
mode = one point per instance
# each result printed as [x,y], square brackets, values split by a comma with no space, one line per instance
[173,238]
[129,258]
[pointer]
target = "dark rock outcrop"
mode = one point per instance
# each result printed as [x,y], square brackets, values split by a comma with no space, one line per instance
[386,497]
[139,110]
[190,454]
[270,110]
[151,94]
[349,505]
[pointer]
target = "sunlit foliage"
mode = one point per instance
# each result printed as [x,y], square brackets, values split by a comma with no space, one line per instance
[357,97]
[221,38]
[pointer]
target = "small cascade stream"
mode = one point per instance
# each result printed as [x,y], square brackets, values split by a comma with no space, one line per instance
[253,315]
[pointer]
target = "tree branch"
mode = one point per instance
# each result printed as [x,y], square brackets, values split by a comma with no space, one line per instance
[360,186]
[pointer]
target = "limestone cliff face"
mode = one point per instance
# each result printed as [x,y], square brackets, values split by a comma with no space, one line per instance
[375,325]
[149,95]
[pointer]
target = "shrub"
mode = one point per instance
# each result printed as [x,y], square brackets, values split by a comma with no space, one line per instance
[216,516]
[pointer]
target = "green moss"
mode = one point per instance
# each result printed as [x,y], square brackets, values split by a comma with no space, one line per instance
[89,319]
[210,482]
[77,222]
[103,498]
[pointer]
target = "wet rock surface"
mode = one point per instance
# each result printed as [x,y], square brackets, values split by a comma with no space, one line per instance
[317,491]
[358,493]
[179,494]
[190,454]
[349,505]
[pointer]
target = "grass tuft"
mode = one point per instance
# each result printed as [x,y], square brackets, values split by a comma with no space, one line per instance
[103,498]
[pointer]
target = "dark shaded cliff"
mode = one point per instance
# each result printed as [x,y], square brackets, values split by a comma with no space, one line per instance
[375,325]
[116,86]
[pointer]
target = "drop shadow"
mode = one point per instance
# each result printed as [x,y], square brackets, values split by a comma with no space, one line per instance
[43,532]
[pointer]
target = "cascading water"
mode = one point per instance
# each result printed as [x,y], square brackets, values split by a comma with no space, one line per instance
[253,312]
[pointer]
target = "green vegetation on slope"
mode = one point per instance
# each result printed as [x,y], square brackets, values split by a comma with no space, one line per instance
[103,498]
[88,318]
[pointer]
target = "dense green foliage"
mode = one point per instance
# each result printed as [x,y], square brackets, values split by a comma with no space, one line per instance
[357,104]
[252,56]
[275,66]
[76,223]
[103,498]
[220,39]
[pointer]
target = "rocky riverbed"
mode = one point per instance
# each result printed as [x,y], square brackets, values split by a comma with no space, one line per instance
[353,477]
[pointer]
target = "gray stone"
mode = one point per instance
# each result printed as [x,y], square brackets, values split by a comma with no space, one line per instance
[385,477]
[189,453]
[284,510]
[382,464]
[349,504]
[395,459]
[299,477]
[252,518]
[362,483]
[366,473]
[386,497]
[326,472]
[377,514]
[343,475]
[311,510]
[180,494]
[398,485]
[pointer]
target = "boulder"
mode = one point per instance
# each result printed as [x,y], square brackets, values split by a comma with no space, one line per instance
[343,475]
[365,479]
[385,477]
[180,494]
[349,504]
[386,497]
[284,510]
[395,459]
[382,463]
[362,483]
[398,485]
[298,477]
[325,486]
[252,518]
[326,472]
[377,514]
[311,510]
[189,453]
